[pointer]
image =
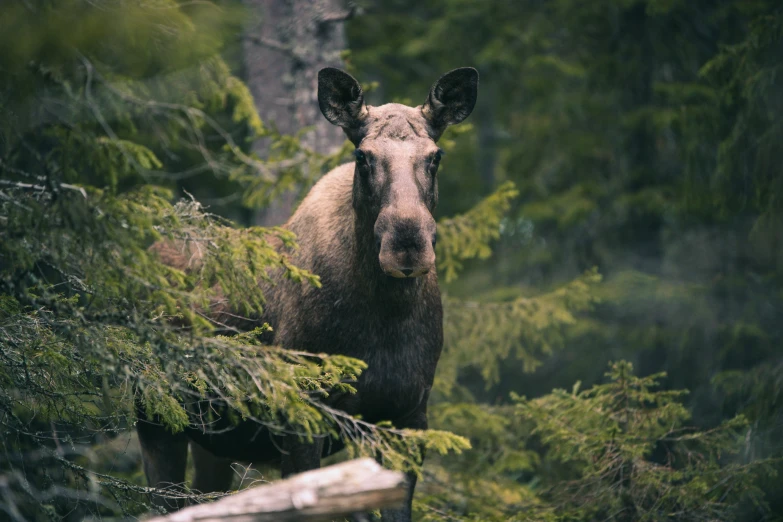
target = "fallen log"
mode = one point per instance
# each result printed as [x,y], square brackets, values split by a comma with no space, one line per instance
[355,486]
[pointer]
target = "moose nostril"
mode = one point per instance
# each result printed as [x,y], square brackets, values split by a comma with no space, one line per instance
[406,271]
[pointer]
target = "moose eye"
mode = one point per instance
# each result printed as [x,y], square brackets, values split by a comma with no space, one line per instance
[361,161]
[435,161]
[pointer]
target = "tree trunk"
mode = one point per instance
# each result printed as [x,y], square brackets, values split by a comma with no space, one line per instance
[283,53]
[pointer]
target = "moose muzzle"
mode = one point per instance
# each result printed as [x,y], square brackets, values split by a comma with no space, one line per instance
[405,242]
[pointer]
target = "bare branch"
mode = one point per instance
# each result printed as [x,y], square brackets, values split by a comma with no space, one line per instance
[339,17]
[276,45]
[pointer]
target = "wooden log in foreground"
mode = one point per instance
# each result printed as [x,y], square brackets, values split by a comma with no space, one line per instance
[350,487]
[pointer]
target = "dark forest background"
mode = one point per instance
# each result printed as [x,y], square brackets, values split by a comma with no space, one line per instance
[611,256]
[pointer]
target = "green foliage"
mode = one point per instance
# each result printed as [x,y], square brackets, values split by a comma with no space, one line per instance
[89,315]
[527,328]
[743,81]
[468,235]
[631,455]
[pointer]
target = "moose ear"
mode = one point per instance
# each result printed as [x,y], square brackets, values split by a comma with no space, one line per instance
[341,98]
[451,99]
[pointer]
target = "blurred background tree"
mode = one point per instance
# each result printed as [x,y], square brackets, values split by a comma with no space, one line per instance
[635,139]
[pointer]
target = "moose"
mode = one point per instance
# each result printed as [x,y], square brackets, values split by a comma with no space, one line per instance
[367,229]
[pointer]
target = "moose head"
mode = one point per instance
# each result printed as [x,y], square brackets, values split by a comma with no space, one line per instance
[395,185]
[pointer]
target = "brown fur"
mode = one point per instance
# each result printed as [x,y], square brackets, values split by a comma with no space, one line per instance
[367,230]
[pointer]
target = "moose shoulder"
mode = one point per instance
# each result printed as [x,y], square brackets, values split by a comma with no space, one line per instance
[367,229]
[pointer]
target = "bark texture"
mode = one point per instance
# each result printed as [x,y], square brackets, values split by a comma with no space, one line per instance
[356,486]
[290,41]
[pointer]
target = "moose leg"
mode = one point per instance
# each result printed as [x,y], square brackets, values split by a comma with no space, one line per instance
[417,421]
[165,457]
[213,474]
[299,456]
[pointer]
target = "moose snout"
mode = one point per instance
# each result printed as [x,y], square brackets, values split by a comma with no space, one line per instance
[406,245]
